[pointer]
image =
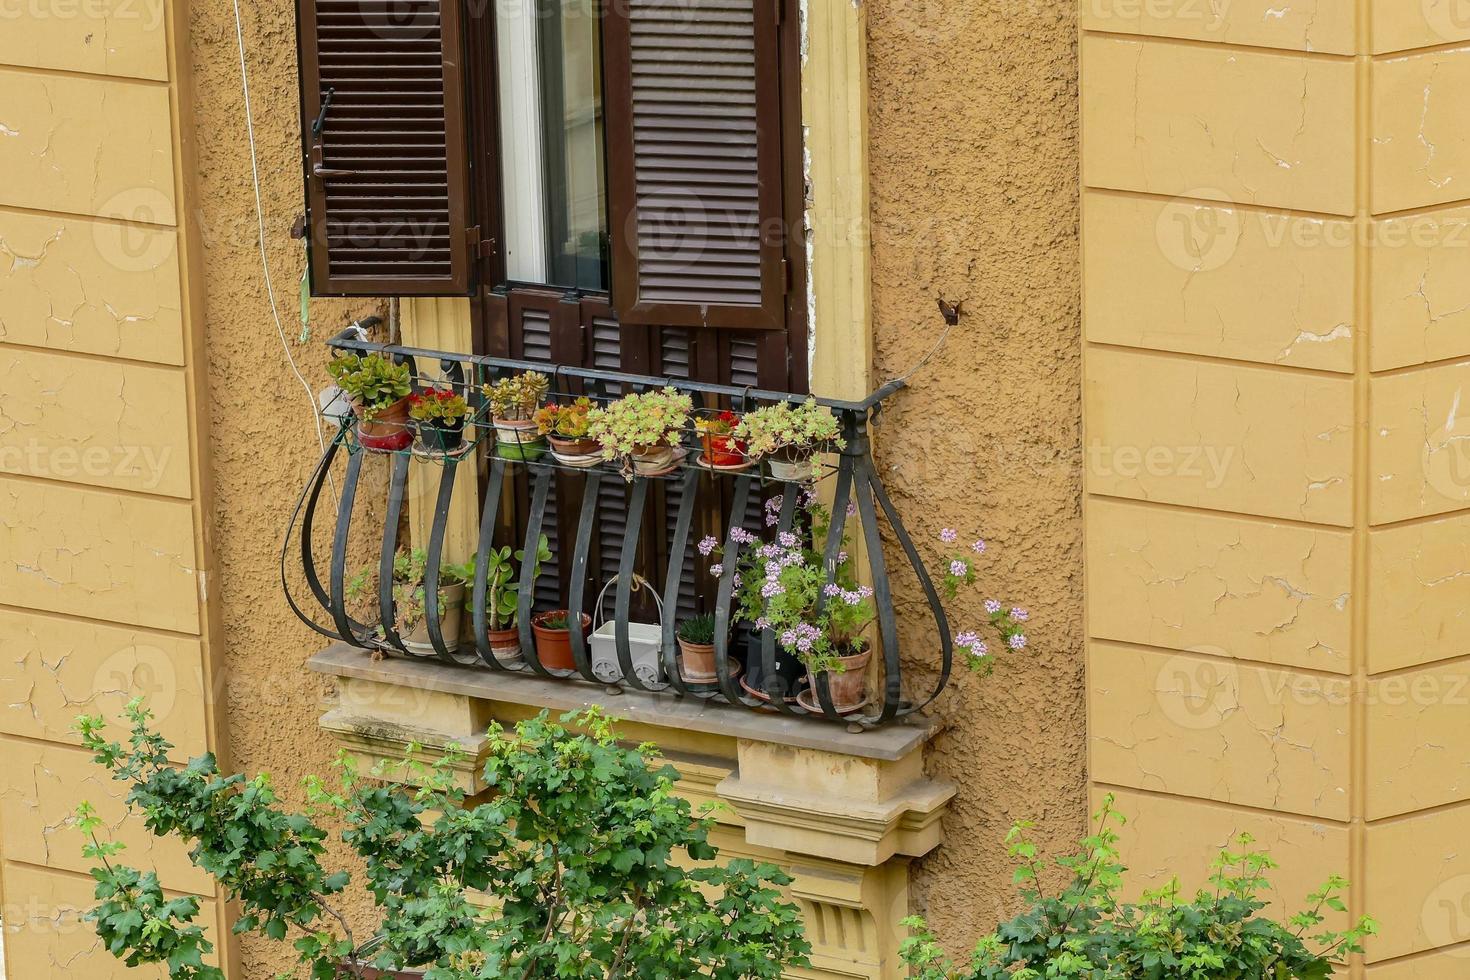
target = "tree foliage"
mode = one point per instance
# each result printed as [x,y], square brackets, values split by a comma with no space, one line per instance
[1084,932]
[582,863]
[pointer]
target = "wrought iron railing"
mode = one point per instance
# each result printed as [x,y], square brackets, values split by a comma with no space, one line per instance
[853,478]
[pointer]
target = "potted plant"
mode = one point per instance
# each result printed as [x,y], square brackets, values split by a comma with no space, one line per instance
[789,437]
[554,638]
[642,430]
[1086,929]
[438,415]
[697,649]
[566,426]
[583,858]
[378,390]
[410,602]
[503,599]
[722,451]
[513,403]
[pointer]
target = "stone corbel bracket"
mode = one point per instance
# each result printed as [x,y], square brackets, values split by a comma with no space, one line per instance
[830,805]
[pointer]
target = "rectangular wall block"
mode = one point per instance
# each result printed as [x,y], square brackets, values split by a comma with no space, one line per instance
[1312,25]
[1421,150]
[1218,124]
[1220,585]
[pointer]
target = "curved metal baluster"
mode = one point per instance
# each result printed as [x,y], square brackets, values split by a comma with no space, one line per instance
[397,491]
[494,487]
[941,621]
[540,486]
[830,552]
[627,570]
[774,686]
[581,554]
[305,511]
[338,599]
[432,613]
[730,557]
[882,591]
[689,490]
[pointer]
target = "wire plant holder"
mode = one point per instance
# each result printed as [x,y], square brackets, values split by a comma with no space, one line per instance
[853,479]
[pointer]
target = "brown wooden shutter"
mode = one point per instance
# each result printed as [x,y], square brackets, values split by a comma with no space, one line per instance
[694,162]
[383,123]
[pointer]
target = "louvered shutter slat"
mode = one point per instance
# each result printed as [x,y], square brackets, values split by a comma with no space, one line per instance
[386,177]
[694,163]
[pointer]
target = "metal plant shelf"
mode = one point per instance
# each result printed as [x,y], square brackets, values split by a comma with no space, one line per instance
[854,478]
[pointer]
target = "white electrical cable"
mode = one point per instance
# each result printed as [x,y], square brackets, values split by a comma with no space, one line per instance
[270,289]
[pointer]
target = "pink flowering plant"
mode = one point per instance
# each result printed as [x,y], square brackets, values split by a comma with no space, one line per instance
[1002,621]
[782,586]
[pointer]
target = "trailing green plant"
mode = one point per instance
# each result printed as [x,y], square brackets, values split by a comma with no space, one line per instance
[503,581]
[440,406]
[516,397]
[698,629]
[409,599]
[592,866]
[640,422]
[1085,932]
[371,381]
[797,430]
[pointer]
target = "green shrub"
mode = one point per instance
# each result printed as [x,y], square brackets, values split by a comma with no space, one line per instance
[1084,932]
[593,867]
[698,629]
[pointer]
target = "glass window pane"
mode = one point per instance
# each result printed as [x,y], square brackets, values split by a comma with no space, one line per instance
[550,69]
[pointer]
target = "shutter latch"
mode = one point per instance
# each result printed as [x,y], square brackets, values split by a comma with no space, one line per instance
[482,248]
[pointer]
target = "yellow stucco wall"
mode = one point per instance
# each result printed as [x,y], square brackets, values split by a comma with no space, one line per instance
[1274,297]
[107,579]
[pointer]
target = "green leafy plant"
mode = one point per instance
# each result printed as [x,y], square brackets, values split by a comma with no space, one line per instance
[371,381]
[515,398]
[558,620]
[792,430]
[640,422]
[592,866]
[409,599]
[502,581]
[440,406]
[568,421]
[698,629]
[1085,932]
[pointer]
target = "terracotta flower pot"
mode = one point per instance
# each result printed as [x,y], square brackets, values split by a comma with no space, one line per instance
[576,452]
[388,430]
[698,666]
[506,645]
[451,606]
[723,450]
[652,460]
[554,646]
[849,687]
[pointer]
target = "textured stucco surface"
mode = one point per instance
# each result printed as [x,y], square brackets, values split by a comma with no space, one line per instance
[973,168]
[973,149]
[262,429]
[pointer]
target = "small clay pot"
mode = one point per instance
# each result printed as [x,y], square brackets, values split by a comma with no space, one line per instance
[790,464]
[451,607]
[506,646]
[849,687]
[388,430]
[723,450]
[554,646]
[518,439]
[652,460]
[698,663]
